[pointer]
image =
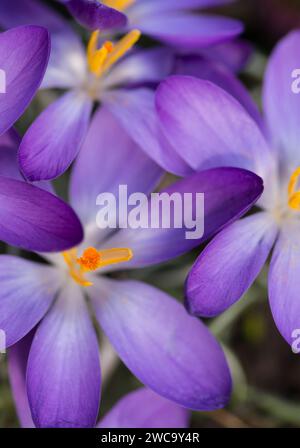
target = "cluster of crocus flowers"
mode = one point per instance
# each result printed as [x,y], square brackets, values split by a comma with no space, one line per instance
[215,130]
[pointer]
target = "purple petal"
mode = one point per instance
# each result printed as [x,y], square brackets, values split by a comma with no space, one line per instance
[109,158]
[67,62]
[9,144]
[17,364]
[228,194]
[27,291]
[142,67]
[63,373]
[209,127]
[145,409]
[24,54]
[229,265]
[170,5]
[284,283]
[36,220]
[93,15]
[233,54]
[188,30]
[281,101]
[52,142]
[169,351]
[136,113]
[215,72]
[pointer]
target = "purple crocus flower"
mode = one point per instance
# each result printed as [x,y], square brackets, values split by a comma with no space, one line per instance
[31,218]
[90,76]
[170,21]
[139,409]
[210,128]
[169,351]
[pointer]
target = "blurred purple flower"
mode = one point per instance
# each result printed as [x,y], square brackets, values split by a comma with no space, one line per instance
[171,352]
[210,128]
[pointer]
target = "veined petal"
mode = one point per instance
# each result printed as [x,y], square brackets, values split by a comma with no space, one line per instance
[17,364]
[229,265]
[94,15]
[203,68]
[208,127]
[284,282]
[281,101]
[228,194]
[63,372]
[36,220]
[135,110]
[27,291]
[24,53]
[145,409]
[169,351]
[54,139]
[109,158]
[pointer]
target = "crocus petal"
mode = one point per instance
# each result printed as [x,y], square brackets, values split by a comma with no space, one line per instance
[229,265]
[215,72]
[52,142]
[9,144]
[233,54]
[284,283]
[67,64]
[36,220]
[148,66]
[188,30]
[135,110]
[145,409]
[208,127]
[281,101]
[27,291]
[63,373]
[24,54]
[109,158]
[17,364]
[93,15]
[146,7]
[228,194]
[169,351]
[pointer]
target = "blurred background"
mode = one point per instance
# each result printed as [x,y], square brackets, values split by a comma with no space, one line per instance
[266,373]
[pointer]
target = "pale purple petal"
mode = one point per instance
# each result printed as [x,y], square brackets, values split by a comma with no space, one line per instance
[229,265]
[281,103]
[54,139]
[36,220]
[63,373]
[188,30]
[284,282]
[145,409]
[208,127]
[27,291]
[169,351]
[135,110]
[17,364]
[203,68]
[24,53]
[228,194]
[109,158]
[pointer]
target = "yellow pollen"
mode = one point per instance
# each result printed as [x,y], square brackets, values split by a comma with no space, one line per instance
[91,260]
[293,193]
[100,60]
[120,5]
